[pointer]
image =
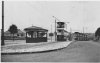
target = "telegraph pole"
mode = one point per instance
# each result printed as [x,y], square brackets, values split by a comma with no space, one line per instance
[2,30]
[70,30]
[66,25]
[70,33]
[83,29]
[55,28]
[51,32]
[55,31]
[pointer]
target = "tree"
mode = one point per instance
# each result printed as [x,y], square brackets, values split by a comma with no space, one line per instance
[13,29]
[97,33]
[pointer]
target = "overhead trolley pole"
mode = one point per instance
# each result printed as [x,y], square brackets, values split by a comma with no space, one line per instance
[2,30]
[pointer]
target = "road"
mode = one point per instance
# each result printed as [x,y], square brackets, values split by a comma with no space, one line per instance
[81,51]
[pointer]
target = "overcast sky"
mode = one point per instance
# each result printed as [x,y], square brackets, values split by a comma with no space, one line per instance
[39,13]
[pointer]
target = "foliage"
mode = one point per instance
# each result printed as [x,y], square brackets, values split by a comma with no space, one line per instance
[13,29]
[97,34]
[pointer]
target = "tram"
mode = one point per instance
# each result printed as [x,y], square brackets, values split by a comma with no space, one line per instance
[61,32]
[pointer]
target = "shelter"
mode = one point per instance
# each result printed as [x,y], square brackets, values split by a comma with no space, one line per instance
[36,34]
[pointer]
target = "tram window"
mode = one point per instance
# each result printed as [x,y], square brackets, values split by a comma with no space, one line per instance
[60,30]
[60,24]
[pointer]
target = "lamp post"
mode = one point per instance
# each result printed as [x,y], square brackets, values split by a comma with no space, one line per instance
[66,27]
[55,31]
[66,24]
[51,32]
[83,30]
[55,28]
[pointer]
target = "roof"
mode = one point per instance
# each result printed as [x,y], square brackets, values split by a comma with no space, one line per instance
[19,31]
[35,28]
[7,32]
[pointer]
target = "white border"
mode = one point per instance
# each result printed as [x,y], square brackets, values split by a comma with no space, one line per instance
[50,0]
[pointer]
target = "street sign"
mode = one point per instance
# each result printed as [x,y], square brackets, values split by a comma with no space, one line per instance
[50,34]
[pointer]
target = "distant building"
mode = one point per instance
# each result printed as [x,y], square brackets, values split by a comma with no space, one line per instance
[20,34]
[91,36]
[7,33]
[80,36]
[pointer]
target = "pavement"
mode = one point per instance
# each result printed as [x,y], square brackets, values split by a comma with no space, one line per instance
[33,47]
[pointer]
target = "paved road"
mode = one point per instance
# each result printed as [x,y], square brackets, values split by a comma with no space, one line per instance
[87,51]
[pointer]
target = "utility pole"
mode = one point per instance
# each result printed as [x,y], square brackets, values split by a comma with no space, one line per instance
[55,27]
[83,29]
[2,30]
[51,28]
[70,30]
[51,32]
[66,25]
[70,33]
[55,31]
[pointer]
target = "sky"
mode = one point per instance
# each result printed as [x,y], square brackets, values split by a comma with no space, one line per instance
[79,14]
